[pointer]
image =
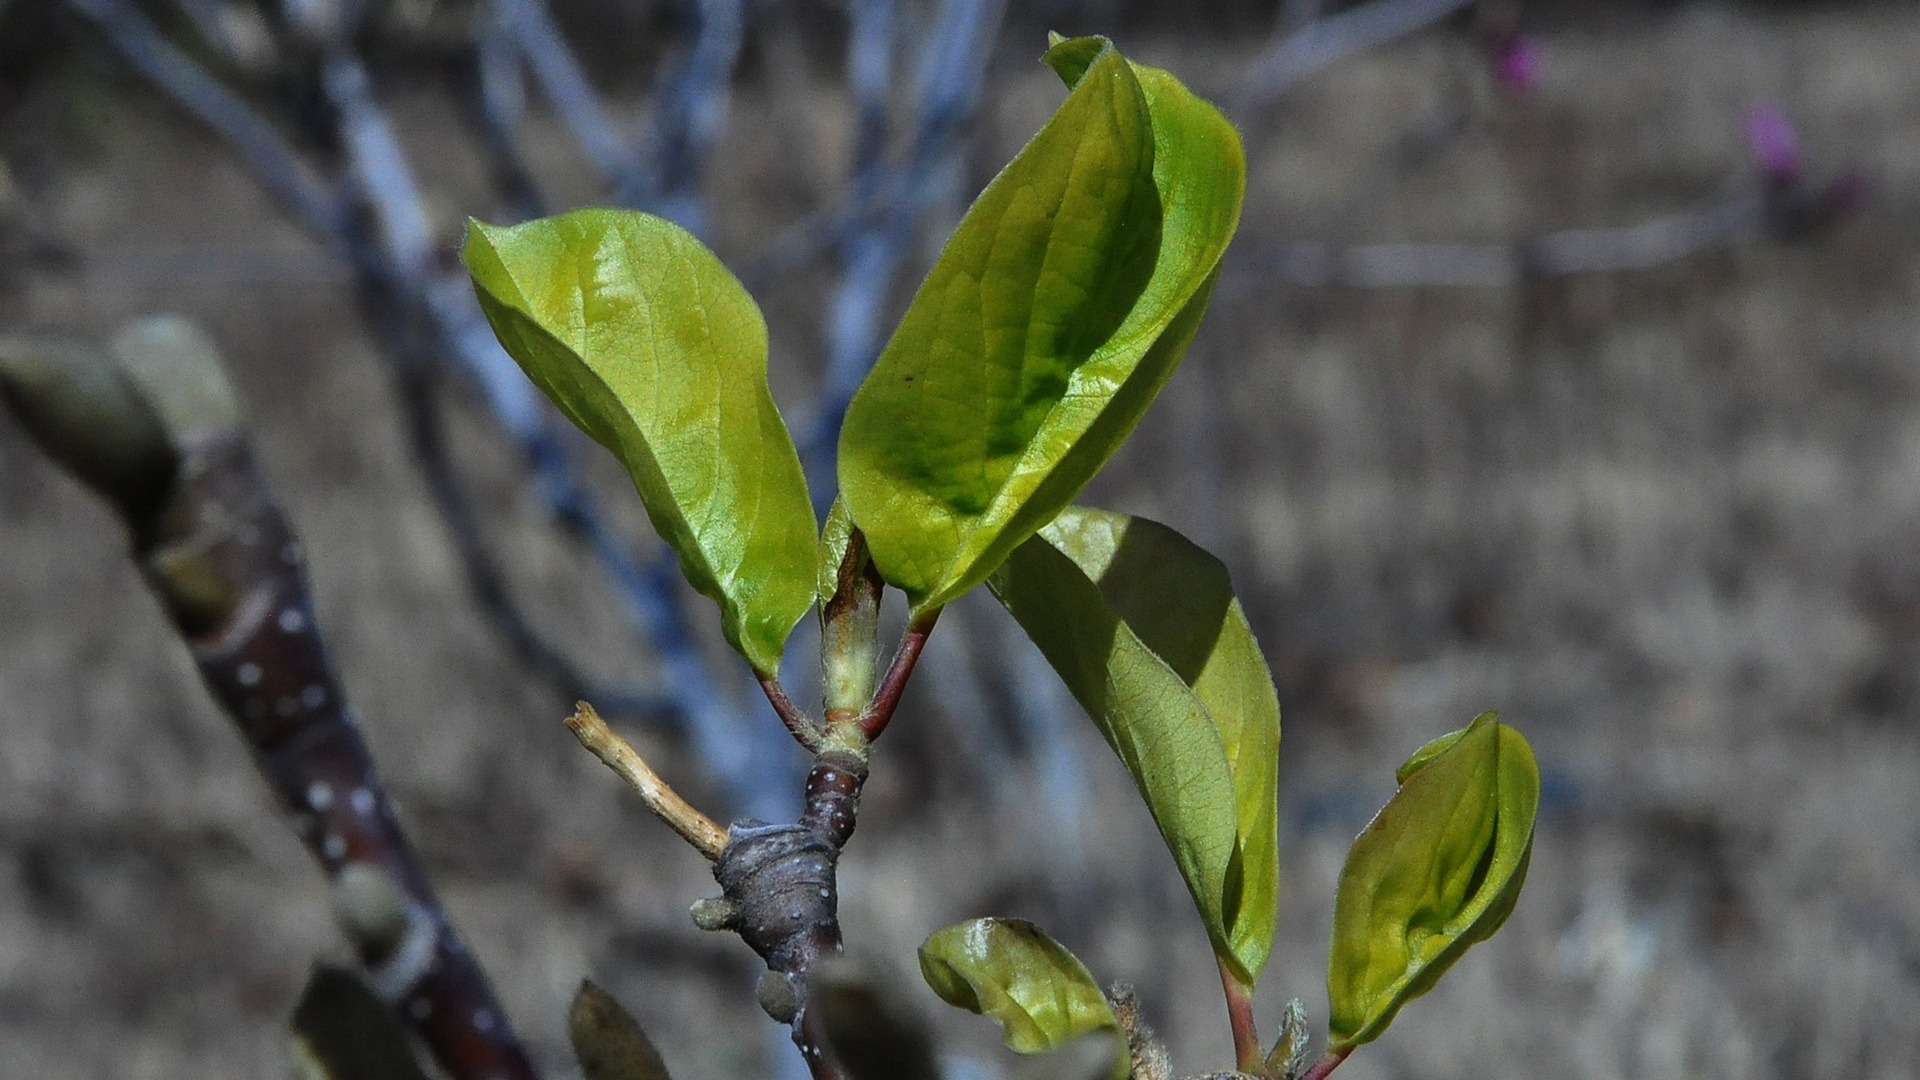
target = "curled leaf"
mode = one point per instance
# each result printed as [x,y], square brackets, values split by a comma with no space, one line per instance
[647,342]
[835,535]
[849,616]
[1437,870]
[1143,627]
[1013,973]
[1054,315]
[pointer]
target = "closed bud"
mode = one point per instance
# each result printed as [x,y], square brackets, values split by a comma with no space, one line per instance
[178,370]
[371,909]
[89,418]
[715,913]
[779,997]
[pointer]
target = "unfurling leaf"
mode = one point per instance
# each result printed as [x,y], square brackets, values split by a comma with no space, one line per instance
[647,342]
[1013,973]
[1142,625]
[1437,870]
[849,597]
[342,1032]
[608,1042]
[1056,312]
[835,534]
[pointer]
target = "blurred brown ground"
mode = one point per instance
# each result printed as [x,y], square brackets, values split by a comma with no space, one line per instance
[1668,522]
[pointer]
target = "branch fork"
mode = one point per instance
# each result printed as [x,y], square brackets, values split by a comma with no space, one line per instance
[779,886]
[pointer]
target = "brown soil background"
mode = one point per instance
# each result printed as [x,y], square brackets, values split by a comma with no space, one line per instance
[1666,521]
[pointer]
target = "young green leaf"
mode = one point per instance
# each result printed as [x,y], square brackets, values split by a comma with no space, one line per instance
[647,342]
[1437,870]
[835,535]
[1013,973]
[849,596]
[1054,315]
[1143,627]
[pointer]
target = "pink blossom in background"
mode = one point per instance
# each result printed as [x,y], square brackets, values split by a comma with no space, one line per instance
[1517,61]
[1775,143]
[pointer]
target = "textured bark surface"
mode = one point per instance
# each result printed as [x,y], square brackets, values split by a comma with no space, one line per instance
[784,894]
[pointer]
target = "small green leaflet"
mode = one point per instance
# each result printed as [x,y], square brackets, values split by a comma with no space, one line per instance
[647,342]
[835,535]
[1053,317]
[1012,972]
[1437,870]
[1142,625]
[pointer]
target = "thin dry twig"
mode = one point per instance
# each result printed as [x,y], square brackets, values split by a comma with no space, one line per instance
[618,754]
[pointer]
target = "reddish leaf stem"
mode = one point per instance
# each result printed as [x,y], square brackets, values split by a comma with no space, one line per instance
[804,730]
[1326,1065]
[1246,1032]
[887,698]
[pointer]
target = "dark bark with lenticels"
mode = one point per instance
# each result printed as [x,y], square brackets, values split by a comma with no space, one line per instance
[223,558]
[156,432]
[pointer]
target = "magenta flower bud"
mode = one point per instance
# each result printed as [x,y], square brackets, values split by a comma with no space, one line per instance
[1776,146]
[1517,62]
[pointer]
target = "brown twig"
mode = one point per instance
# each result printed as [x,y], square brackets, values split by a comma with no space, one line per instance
[619,755]
[887,698]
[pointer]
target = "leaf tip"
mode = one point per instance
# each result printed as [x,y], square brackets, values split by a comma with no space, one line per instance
[1071,58]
